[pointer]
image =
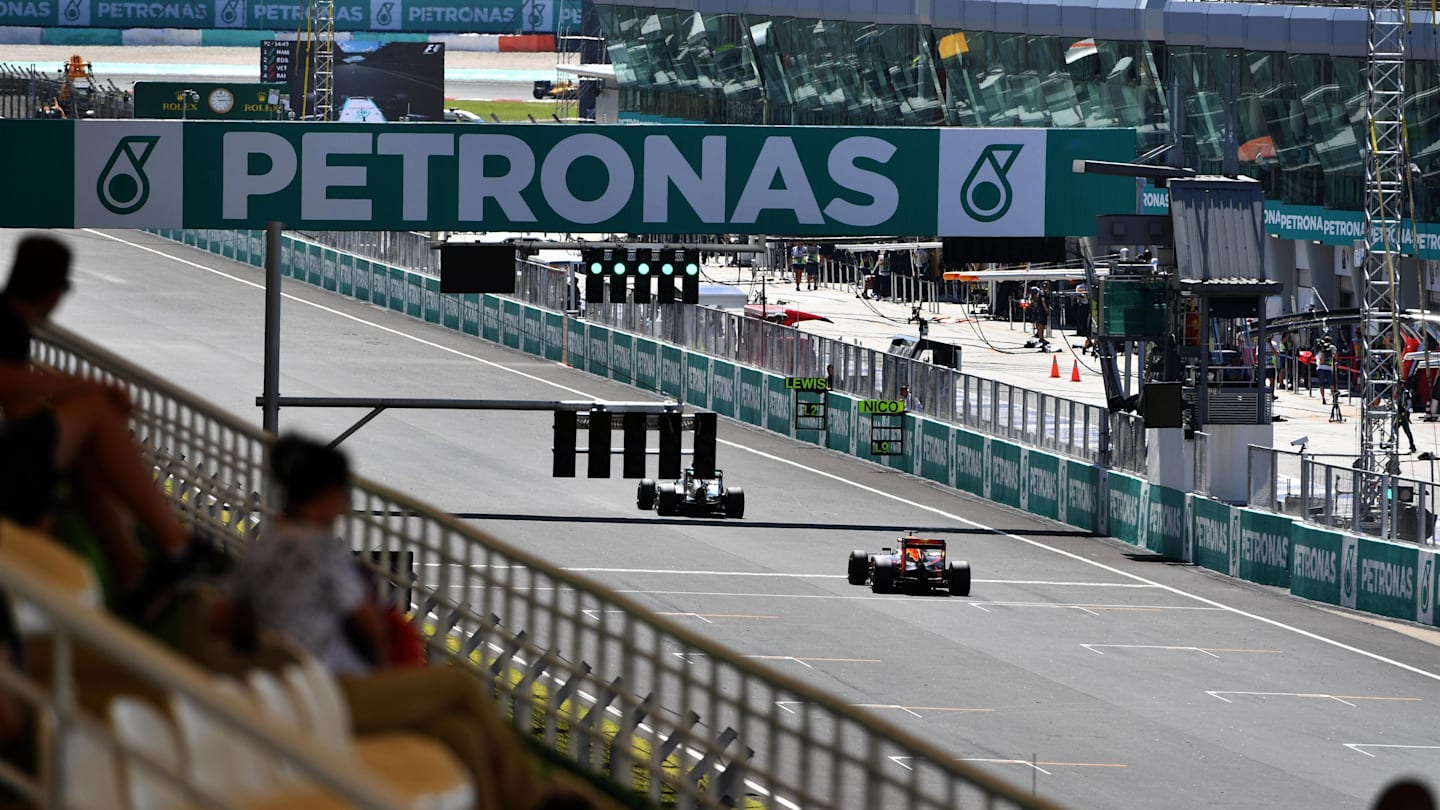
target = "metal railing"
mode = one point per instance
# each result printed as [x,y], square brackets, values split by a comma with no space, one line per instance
[1036,418]
[1306,486]
[613,688]
[73,740]
[27,93]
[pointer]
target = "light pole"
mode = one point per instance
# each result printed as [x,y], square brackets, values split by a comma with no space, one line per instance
[186,96]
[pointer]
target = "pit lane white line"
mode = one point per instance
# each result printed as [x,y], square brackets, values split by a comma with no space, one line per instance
[1359,747]
[1110,569]
[782,574]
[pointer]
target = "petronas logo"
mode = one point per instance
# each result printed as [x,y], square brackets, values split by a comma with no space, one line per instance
[230,12]
[72,10]
[385,14]
[123,186]
[986,195]
[1347,577]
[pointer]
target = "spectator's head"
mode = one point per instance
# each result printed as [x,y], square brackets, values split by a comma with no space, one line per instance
[314,480]
[904,391]
[39,276]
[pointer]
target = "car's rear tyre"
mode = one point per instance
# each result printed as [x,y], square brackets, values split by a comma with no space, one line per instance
[859,568]
[667,500]
[884,577]
[957,576]
[734,503]
[645,494]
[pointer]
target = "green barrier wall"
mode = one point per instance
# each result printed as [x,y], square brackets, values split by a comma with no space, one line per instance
[1388,579]
[1210,534]
[724,388]
[1265,548]
[622,357]
[672,372]
[1125,512]
[1395,580]
[752,397]
[969,461]
[1040,482]
[647,364]
[697,379]
[597,350]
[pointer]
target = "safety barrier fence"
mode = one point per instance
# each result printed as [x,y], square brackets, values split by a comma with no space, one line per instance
[1332,494]
[1253,544]
[1036,418]
[27,93]
[608,685]
[81,753]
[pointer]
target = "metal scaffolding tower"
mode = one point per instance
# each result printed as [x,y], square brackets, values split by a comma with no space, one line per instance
[324,49]
[1385,200]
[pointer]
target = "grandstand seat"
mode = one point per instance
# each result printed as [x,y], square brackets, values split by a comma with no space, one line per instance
[44,559]
[419,768]
[222,763]
[144,729]
[91,768]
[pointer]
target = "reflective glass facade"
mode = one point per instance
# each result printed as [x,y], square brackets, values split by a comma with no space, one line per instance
[1298,119]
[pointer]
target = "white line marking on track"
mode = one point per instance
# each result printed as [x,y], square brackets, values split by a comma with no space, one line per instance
[1210,651]
[1340,645]
[937,600]
[1360,747]
[1345,699]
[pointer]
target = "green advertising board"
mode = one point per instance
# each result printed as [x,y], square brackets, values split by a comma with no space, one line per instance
[490,320]
[672,372]
[1080,501]
[724,388]
[379,285]
[697,380]
[1211,540]
[1165,524]
[450,311]
[314,265]
[346,273]
[597,350]
[1040,481]
[576,344]
[396,291]
[697,179]
[1125,512]
[430,303]
[362,279]
[840,423]
[1004,472]
[1265,547]
[1389,579]
[622,357]
[752,397]
[969,461]
[554,337]
[647,364]
[934,449]
[1316,563]
[470,315]
[510,323]
[779,406]
[427,16]
[1427,588]
[213,101]
[533,345]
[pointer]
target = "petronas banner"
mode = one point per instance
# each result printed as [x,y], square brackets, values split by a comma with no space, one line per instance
[820,181]
[419,16]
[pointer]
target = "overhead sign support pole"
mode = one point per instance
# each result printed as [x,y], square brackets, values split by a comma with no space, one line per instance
[270,396]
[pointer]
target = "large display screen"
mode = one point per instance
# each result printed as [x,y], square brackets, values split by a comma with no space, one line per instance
[403,80]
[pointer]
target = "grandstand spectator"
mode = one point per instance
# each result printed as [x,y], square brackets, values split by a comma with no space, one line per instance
[62,424]
[299,579]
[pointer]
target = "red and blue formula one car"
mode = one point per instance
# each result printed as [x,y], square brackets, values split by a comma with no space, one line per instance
[919,563]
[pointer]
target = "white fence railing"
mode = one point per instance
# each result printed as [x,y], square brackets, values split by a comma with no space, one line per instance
[1318,491]
[611,687]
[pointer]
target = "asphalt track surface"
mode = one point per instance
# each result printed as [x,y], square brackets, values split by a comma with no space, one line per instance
[1099,675]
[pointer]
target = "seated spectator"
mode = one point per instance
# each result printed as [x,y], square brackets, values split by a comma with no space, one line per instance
[62,425]
[299,579]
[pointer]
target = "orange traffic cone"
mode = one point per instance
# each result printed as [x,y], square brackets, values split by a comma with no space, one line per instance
[1055,368]
[1075,372]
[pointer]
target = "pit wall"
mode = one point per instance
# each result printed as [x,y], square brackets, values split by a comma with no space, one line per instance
[1394,580]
